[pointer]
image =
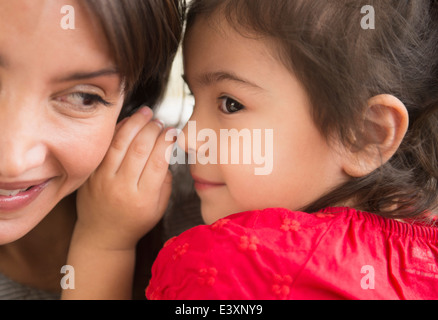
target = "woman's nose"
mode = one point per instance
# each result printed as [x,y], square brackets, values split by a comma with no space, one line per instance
[21,143]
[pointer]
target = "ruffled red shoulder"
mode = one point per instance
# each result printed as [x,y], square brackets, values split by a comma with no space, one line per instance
[337,253]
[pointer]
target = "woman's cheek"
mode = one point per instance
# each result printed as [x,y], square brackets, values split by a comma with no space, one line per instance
[83,155]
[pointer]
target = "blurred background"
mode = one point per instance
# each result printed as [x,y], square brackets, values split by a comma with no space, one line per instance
[177,105]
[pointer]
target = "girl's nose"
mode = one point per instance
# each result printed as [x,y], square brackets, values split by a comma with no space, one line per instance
[21,142]
[187,140]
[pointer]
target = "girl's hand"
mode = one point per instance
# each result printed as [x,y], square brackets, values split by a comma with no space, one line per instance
[129,192]
[121,201]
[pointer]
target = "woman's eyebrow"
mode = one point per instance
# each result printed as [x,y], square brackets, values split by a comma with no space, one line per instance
[74,76]
[87,75]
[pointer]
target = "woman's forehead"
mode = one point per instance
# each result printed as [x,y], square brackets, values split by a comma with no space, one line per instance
[32,32]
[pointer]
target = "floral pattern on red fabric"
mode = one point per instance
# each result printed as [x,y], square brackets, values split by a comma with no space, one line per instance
[337,253]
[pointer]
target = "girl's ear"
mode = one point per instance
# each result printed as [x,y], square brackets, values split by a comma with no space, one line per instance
[385,124]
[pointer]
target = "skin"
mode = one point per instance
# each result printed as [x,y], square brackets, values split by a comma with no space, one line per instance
[124,199]
[60,98]
[268,97]
[39,56]
[237,84]
[45,132]
[105,237]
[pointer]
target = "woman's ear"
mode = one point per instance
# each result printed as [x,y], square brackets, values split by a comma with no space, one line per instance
[385,123]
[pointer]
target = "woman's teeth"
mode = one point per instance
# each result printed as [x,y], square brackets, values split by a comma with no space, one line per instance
[11,193]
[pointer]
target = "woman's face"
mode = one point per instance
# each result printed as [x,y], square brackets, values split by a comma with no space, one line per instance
[60,97]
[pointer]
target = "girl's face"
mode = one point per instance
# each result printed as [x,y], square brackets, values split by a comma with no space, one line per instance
[60,97]
[237,83]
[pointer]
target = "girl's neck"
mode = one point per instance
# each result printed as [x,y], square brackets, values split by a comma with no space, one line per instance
[37,258]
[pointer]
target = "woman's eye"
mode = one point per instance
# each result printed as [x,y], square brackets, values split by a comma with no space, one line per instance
[83,100]
[229,105]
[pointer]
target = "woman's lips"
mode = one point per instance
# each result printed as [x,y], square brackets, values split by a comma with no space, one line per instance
[15,196]
[202,184]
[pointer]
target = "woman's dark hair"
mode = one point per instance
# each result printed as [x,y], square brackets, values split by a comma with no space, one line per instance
[342,65]
[143,36]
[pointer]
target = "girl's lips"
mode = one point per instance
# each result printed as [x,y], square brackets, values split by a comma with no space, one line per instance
[202,184]
[15,196]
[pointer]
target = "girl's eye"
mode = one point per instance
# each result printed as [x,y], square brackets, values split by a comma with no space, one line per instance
[83,100]
[229,105]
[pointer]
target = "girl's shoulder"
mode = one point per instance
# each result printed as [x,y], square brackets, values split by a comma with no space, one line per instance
[285,223]
[281,254]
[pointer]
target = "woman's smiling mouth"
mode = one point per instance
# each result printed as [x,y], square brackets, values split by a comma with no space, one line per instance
[14,196]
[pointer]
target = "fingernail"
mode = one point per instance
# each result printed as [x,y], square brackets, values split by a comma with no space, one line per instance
[145,110]
[122,121]
[159,123]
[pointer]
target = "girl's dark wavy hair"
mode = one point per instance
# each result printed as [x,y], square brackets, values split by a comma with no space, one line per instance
[143,36]
[341,66]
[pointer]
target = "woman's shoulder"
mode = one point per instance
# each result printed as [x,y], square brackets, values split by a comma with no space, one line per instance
[11,290]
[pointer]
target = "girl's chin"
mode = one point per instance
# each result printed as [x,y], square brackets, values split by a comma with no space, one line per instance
[211,215]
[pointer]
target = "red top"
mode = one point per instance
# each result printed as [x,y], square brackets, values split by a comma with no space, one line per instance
[337,253]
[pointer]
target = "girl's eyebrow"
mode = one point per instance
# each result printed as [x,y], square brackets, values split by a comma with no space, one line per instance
[209,78]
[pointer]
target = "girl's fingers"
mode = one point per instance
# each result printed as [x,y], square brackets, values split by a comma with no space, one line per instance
[120,124]
[138,153]
[156,169]
[124,135]
[166,190]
